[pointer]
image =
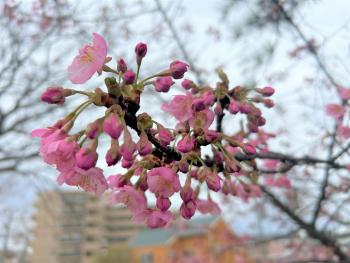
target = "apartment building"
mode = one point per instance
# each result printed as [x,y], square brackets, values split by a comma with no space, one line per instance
[70,227]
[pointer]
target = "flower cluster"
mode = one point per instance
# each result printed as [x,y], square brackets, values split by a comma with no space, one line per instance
[161,162]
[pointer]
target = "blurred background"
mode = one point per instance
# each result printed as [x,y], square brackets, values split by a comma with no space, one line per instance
[300,47]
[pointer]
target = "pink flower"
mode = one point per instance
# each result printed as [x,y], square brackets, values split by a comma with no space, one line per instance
[344,93]
[135,200]
[48,136]
[178,69]
[334,110]
[62,154]
[267,91]
[116,181]
[129,77]
[86,158]
[91,180]
[180,107]
[89,61]
[55,95]
[188,209]
[157,219]
[208,207]
[113,126]
[186,144]
[163,84]
[202,119]
[163,181]
[343,131]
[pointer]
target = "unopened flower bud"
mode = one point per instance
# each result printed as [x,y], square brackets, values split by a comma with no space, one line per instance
[129,77]
[233,107]
[163,203]
[244,107]
[163,84]
[55,95]
[86,158]
[249,149]
[187,84]
[186,144]
[269,103]
[267,91]
[144,146]
[188,209]
[140,51]
[122,67]
[113,126]
[178,69]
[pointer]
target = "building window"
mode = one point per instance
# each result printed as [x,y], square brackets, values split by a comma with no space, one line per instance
[147,258]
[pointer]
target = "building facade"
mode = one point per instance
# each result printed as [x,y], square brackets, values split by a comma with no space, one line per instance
[70,227]
[202,240]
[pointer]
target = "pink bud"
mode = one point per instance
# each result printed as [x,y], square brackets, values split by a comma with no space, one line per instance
[163,203]
[129,77]
[86,158]
[126,164]
[249,149]
[267,91]
[122,67]
[93,129]
[183,165]
[186,193]
[233,107]
[269,103]
[186,144]
[188,209]
[213,181]
[208,98]
[128,147]
[198,104]
[144,146]
[252,127]
[165,136]
[55,95]
[163,84]
[178,69]
[211,136]
[187,84]
[113,126]
[141,50]
[113,155]
[244,107]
